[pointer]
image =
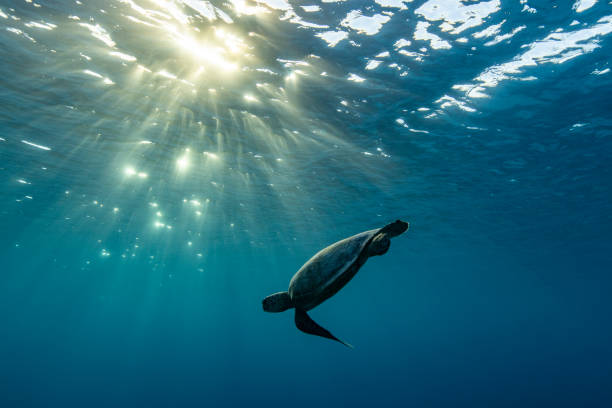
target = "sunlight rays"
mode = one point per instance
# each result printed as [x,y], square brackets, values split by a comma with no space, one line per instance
[180,98]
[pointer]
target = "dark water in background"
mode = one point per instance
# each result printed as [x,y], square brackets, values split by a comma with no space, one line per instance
[493,140]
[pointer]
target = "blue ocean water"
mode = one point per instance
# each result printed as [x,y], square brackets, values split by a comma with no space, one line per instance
[166,164]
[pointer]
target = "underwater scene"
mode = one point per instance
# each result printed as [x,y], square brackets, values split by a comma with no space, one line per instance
[190,190]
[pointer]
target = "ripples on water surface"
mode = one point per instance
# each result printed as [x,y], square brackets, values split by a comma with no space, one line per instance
[166,164]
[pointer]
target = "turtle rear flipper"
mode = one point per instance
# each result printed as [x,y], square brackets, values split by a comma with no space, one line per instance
[307,325]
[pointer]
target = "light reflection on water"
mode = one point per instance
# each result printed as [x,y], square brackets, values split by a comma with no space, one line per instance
[206,116]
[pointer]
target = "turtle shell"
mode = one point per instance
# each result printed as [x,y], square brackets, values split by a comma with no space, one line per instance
[309,286]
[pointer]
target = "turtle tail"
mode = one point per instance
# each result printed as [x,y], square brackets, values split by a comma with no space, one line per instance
[307,325]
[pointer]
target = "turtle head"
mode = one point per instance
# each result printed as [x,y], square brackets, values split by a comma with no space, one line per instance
[379,245]
[278,302]
[395,228]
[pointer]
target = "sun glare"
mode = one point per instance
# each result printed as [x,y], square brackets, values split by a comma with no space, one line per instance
[182,163]
[241,7]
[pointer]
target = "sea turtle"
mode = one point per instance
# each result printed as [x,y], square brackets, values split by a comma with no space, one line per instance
[327,272]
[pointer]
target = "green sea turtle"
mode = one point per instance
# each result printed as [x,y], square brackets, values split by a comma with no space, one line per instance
[327,272]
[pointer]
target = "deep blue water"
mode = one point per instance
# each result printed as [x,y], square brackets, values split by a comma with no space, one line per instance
[165,165]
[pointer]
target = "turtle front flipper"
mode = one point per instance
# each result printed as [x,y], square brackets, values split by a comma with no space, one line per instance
[307,325]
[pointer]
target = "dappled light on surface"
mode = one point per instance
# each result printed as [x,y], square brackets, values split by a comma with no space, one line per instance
[193,109]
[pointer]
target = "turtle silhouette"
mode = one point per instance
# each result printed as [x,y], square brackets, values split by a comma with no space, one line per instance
[327,272]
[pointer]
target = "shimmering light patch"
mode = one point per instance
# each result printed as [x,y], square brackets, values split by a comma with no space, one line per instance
[557,48]
[100,33]
[2,139]
[182,163]
[106,80]
[471,90]
[277,4]
[35,145]
[455,12]
[130,171]
[436,42]
[22,181]
[44,26]
[528,9]
[383,154]
[203,7]
[211,155]
[2,14]
[266,70]
[250,98]
[311,9]
[582,5]
[241,7]
[373,64]
[600,72]
[393,3]
[122,56]
[233,43]
[500,38]
[298,20]
[166,74]
[401,43]
[19,32]
[363,24]
[355,78]
[145,142]
[415,55]
[477,92]
[489,31]
[447,101]
[173,10]
[384,54]
[212,55]
[292,63]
